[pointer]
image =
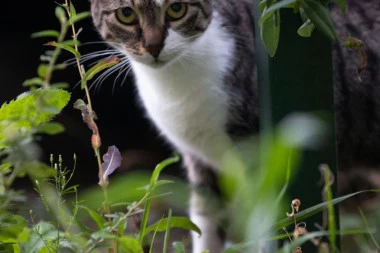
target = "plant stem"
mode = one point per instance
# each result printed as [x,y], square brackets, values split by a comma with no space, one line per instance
[75,38]
[54,57]
[106,204]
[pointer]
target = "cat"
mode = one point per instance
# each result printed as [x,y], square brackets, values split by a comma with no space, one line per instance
[194,68]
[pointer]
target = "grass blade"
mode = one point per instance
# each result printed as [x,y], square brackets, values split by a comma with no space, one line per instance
[167,233]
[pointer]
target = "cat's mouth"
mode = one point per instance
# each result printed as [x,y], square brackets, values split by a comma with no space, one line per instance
[158,63]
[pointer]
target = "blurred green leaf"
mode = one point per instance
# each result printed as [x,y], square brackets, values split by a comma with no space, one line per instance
[306,29]
[38,170]
[34,81]
[65,47]
[269,12]
[46,33]
[60,85]
[99,220]
[4,167]
[50,128]
[79,17]
[162,165]
[42,70]
[270,33]
[321,18]
[71,43]
[60,14]
[175,222]
[6,247]
[129,245]
[72,10]
[116,190]
[262,5]
[33,108]
[11,226]
[39,235]
[103,234]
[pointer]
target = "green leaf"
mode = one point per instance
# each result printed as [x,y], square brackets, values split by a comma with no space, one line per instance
[46,33]
[6,247]
[270,33]
[60,14]
[29,110]
[129,245]
[262,5]
[42,70]
[61,66]
[102,65]
[163,182]
[34,81]
[60,85]
[306,29]
[4,167]
[10,227]
[38,170]
[175,222]
[79,17]
[50,128]
[73,12]
[99,220]
[162,165]
[65,47]
[268,13]
[103,234]
[321,18]
[71,43]
[40,234]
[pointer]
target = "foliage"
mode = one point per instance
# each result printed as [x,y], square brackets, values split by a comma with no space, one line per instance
[107,226]
[31,114]
[314,14]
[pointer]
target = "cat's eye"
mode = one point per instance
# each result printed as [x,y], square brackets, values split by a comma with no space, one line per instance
[176,11]
[127,16]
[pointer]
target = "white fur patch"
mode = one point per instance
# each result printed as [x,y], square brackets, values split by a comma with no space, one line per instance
[186,98]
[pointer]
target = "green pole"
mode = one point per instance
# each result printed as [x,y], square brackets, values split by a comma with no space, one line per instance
[299,79]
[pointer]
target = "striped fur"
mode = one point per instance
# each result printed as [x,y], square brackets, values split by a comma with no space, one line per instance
[199,86]
[151,16]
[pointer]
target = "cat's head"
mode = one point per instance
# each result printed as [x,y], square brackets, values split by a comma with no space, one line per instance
[153,32]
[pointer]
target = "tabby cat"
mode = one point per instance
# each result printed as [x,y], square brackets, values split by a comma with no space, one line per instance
[193,62]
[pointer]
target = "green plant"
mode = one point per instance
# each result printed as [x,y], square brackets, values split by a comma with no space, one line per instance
[30,115]
[105,225]
[314,14]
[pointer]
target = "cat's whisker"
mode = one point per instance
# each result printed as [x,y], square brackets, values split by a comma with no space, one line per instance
[124,67]
[109,54]
[107,43]
[104,75]
[90,56]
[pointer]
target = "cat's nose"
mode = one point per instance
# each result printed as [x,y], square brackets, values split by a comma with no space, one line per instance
[154,49]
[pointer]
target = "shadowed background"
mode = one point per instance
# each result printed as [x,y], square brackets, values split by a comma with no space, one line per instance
[121,121]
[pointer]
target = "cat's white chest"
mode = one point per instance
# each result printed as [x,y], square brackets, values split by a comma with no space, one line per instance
[187,100]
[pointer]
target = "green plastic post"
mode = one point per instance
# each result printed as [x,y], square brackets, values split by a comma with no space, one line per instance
[299,79]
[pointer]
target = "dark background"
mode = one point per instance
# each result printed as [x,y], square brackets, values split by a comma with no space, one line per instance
[121,121]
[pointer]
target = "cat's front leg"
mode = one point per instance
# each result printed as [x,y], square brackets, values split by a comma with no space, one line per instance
[206,207]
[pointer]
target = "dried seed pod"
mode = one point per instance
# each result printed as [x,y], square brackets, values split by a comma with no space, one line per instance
[296,203]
